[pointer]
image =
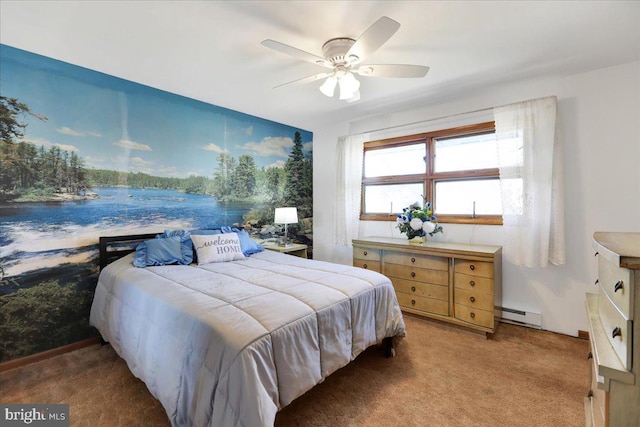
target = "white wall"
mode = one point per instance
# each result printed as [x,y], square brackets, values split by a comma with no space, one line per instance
[599,119]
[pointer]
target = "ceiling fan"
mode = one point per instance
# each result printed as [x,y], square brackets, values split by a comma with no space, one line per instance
[343,56]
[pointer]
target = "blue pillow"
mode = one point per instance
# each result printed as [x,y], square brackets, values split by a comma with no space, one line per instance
[176,249]
[246,243]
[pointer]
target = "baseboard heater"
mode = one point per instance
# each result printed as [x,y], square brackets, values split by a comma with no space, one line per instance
[522,318]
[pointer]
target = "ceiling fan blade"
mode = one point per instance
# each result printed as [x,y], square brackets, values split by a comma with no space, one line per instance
[391,70]
[296,53]
[306,79]
[374,37]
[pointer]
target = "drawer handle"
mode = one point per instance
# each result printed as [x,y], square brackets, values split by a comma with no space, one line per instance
[413,274]
[596,254]
[413,260]
[596,282]
[473,267]
[472,299]
[617,332]
[364,266]
[413,289]
[365,253]
[413,302]
[473,315]
[589,356]
[618,286]
[472,282]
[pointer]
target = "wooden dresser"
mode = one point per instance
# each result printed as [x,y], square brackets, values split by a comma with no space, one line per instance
[455,283]
[614,398]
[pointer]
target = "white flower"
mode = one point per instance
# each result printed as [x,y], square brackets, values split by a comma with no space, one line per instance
[416,224]
[428,227]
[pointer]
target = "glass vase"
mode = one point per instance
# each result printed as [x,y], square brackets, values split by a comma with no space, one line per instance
[418,240]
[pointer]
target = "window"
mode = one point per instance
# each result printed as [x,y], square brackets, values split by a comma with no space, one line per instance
[455,169]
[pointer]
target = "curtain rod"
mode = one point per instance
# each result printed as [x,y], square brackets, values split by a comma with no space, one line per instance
[444,117]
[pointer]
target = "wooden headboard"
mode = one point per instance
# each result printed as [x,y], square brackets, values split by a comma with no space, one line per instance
[115,247]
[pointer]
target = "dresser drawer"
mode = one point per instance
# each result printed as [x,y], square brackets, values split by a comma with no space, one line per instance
[414,260]
[430,305]
[474,299]
[367,264]
[438,277]
[474,268]
[598,397]
[478,284]
[612,320]
[366,253]
[475,316]
[421,289]
[618,284]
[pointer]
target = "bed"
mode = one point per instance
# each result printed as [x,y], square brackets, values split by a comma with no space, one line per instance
[231,343]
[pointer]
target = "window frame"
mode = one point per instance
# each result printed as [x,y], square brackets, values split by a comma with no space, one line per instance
[430,178]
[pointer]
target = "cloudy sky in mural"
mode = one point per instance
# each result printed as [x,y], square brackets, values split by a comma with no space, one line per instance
[115,124]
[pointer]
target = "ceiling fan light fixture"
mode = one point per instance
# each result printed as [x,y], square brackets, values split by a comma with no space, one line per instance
[349,85]
[355,97]
[329,86]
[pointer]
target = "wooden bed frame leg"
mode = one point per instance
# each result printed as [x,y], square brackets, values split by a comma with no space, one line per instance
[387,346]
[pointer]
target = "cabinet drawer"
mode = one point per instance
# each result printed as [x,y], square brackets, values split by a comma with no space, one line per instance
[474,299]
[475,316]
[438,277]
[612,319]
[474,268]
[367,264]
[618,284]
[414,260]
[366,253]
[421,289]
[430,305]
[478,284]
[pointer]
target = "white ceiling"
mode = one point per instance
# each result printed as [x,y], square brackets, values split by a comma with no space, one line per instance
[211,51]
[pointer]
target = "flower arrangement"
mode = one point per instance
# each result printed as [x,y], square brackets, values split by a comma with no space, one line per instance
[416,221]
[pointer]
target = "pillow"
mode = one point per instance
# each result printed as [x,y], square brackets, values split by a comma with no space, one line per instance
[217,248]
[247,244]
[185,241]
[164,251]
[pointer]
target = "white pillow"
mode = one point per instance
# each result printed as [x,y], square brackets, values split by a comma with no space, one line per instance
[217,247]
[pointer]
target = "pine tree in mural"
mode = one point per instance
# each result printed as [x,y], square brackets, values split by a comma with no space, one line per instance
[11,130]
[298,191]
[222,176]
[25,168]
[244,177]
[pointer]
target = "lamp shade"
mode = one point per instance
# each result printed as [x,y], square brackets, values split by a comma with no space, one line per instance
[286,216]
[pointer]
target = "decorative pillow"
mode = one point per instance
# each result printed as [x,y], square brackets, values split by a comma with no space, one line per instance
[217,248]
[185,243]
[248,245]
[164,251]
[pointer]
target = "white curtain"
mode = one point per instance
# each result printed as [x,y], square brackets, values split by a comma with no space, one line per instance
[348,188]
[531,181]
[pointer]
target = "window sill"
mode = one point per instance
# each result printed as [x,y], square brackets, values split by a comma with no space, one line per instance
[442,219]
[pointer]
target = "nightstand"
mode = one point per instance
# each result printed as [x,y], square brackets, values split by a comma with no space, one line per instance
[294,249]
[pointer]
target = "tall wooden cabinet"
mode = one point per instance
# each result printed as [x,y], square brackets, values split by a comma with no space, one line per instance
[614,332]
[455,283]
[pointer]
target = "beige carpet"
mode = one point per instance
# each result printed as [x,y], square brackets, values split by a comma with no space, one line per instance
[441,376]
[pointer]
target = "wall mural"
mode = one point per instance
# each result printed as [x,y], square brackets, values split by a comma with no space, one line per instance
[85,154]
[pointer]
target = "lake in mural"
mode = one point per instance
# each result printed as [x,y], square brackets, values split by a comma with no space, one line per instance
[85,154]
